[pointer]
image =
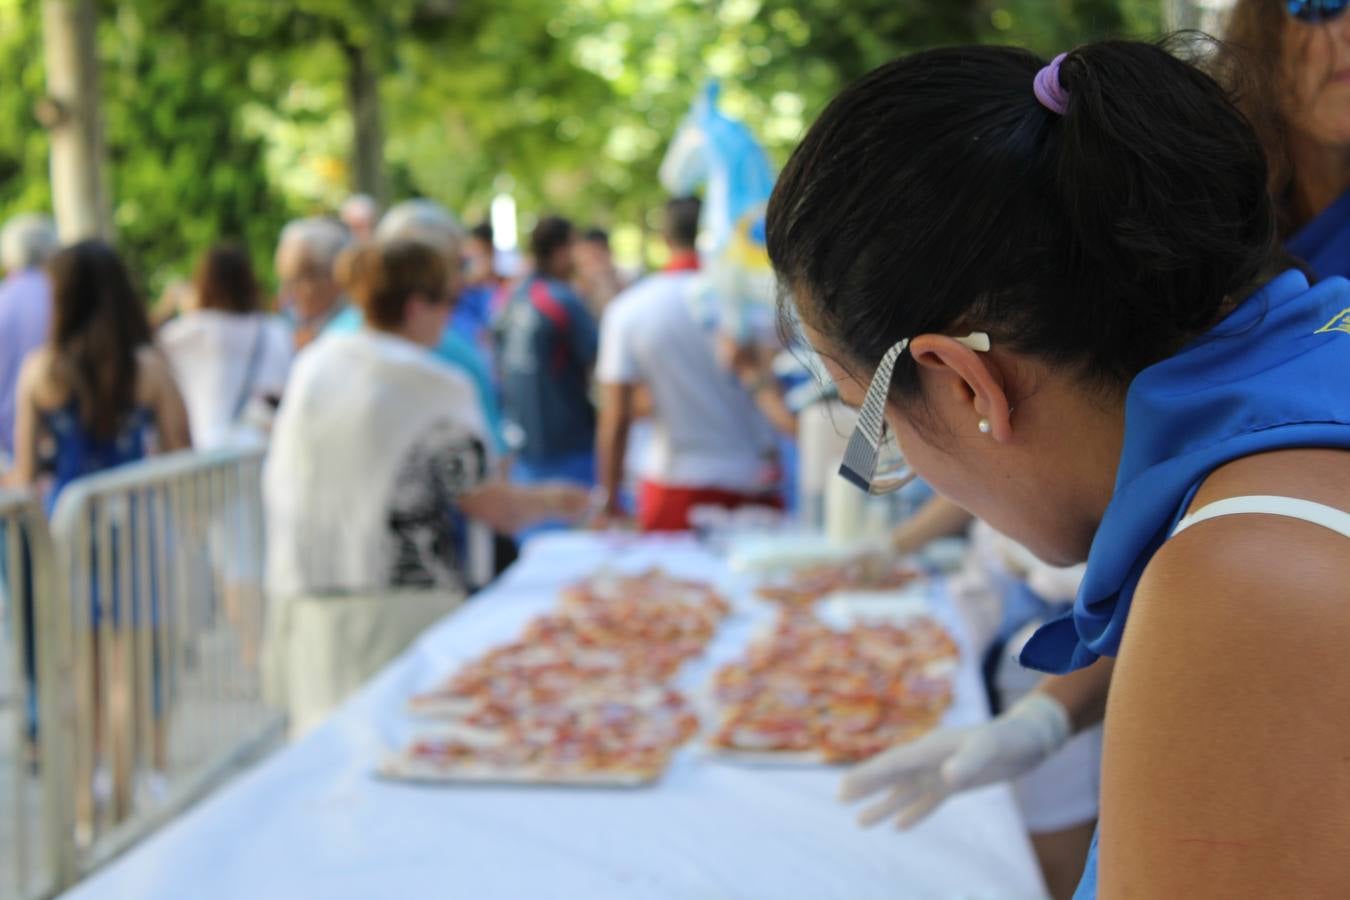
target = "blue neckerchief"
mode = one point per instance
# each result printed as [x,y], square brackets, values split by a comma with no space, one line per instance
[1275,373]
[1324,243]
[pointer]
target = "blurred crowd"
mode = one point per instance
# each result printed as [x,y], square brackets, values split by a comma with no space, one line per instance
[424,413]
[427,413]
[399,377]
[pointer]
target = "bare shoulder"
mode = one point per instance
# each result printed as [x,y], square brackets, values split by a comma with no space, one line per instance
[1261,576]
[1254,590]
[154,374]
[1260,564]
[1228,700]
[153,364]
[37,380]
[36,365]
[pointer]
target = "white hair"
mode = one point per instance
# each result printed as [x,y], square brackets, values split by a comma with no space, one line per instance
[27,241]
[322,238]
[358,205]
[425,221]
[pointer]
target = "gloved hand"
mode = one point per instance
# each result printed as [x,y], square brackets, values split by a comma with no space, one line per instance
[919,776]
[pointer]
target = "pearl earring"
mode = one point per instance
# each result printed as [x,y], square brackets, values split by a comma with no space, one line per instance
[985,427]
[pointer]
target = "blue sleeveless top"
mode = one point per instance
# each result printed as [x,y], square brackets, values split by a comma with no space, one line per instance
[77,452]
[1274,374]
[1324,243]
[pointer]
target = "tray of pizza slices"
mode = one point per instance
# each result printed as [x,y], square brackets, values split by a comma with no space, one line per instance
[833,685]
[861,572]
[583,697]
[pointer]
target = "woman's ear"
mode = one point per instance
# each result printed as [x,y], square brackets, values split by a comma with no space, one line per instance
[972,381]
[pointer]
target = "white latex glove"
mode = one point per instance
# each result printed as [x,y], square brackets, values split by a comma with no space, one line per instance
[919,776]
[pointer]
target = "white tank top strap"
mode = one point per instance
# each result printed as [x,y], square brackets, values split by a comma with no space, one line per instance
[1290,507]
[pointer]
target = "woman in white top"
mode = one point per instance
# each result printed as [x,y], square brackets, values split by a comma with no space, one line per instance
[231,359]
[380,459]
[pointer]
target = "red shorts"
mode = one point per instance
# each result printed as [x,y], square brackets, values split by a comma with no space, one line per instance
[663,508]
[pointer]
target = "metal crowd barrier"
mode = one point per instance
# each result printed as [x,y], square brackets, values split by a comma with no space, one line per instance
[150,603]
[35,843]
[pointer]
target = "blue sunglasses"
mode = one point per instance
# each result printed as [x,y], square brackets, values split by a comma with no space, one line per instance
[1316,10]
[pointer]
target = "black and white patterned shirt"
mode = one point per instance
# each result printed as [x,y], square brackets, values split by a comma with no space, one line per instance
[426,529]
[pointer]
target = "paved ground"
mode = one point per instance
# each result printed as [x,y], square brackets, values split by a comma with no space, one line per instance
[19,807]
[214,703]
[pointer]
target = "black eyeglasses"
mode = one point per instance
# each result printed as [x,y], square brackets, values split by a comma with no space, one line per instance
[1316,10]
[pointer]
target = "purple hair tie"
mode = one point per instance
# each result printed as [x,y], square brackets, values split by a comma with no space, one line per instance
[1048,89]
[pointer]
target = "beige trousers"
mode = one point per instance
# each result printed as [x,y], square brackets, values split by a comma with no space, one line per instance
[319,649]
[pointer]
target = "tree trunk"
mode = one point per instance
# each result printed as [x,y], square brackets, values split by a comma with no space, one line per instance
[73,115]
[363,98]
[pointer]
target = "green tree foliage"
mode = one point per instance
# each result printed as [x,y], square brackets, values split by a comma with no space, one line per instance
[184,172]
[23,144]
[226,117]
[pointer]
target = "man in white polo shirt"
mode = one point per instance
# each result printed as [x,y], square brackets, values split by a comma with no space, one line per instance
[709,445]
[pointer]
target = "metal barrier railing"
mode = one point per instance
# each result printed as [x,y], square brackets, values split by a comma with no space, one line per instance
[34,844]
[149,599]
[164,563]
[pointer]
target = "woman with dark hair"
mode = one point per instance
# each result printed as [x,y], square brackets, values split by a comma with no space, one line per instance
[1301,49]
[1059,289]
[231,358]
[99,394]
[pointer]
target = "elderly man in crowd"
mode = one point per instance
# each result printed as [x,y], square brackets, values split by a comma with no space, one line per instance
[430,223]
[379,486]
[26,243]
[359,213]
[307,257]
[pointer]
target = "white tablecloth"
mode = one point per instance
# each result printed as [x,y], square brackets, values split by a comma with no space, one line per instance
[312,822]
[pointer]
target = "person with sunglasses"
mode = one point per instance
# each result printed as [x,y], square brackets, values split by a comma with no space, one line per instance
[380,467]
[1301,49]
[1061,288]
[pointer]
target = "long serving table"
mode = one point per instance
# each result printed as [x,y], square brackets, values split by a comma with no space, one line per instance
[312,821]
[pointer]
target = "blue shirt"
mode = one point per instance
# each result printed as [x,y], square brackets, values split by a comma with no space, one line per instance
[77,453]
[1324,243]
[452,349]
[25,313]
[472,317]
[1272,375]
[546,346]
